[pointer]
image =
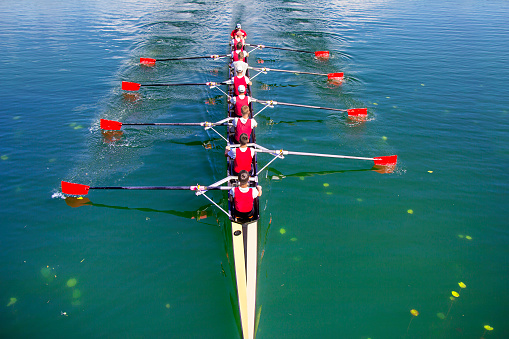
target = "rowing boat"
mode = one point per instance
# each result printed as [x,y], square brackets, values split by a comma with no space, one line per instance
[244,233]
[244,238]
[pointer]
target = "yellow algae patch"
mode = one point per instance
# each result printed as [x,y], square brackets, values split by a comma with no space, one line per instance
[12,301]
[71,282]
[441,315]
[4,157]
[455,294]
[462,285]
[78,127]
[488,328]
[17,117]
[384,138]
[359,200]
[387,97]
[302,178]
[76,294]
[282,231]
[167,306]
[293,239]
[461,236]
[430,171]
[375,104]
[328,193]
[415,313]
[423,85]
[468,237]
[325,184]
[410,211]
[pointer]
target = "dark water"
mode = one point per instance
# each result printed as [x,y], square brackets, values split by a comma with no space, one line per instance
[345,252]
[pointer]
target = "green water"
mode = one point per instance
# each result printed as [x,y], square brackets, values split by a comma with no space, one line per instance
[345,252]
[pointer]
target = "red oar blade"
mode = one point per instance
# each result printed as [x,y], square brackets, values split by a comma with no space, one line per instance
[389,160]
[110,125]
[130,86]
[74,189]
[148,61]
[336,76]
[322,54]
[357,113]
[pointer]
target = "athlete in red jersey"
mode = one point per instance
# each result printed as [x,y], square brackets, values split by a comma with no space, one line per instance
[240,79]
[241,100]
[238,29]
[238,54]
[244,124]
[244,196]
[242,156]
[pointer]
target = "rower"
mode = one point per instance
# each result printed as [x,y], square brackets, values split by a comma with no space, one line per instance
[238,29]
[240,64]
[242,156]
[244,124]
[244,196]
[240,79]
[241,100]
[239,54]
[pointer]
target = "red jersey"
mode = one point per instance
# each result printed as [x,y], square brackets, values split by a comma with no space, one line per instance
[243,128]
[234,33]
[237,81]
[242,160]
[235,55]
[239,103]
[243,201]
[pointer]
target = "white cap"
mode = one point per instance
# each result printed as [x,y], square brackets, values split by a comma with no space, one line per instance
[238,26]
[242,88]
[239,69]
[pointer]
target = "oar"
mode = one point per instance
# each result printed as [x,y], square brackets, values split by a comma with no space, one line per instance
[318,54]
[330,76]
[79,189]
[389,160]
[152,61]
[113,125]
[352,112]
[133,86]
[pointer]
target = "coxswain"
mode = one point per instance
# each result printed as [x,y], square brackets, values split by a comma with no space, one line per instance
[240,79]
[244,124]
[241,100]
[238,39]
[244,196]
[242,156]
[238,29]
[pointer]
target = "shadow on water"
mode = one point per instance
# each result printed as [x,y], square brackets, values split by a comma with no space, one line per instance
[277,175]
[203,212]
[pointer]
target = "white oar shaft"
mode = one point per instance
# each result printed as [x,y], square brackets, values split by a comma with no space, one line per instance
[285,71]
[278,152]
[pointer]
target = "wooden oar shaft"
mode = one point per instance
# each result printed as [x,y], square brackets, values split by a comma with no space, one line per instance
[284,70]
[305,106]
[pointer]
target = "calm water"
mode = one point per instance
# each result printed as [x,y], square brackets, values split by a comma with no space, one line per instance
[345,252]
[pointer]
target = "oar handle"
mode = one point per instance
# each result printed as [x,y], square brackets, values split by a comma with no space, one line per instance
[297,105]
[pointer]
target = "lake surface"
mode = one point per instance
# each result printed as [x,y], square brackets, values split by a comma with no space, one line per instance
[345,252]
